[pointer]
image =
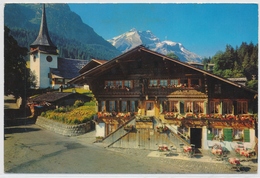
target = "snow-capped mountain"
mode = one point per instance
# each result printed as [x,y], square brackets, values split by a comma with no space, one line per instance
[135,38]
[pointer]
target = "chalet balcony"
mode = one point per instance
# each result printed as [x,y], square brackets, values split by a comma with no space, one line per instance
[151,90]
[211,120]
[119,91]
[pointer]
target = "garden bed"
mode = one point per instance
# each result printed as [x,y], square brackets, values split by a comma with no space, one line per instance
[63,129]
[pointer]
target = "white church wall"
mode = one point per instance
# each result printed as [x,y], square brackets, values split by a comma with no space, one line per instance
[45,69]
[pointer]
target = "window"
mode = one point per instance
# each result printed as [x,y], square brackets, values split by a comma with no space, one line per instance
[184,82]
[110,83]
[217,133]
[149,106]
[165,106]
[119,84]
[163,82]
[227,107]
[242,107]
[174,82]
[128,83]
[188,106]
[194,82]
[237,133]
[123,106]
[153,83]
[174,105]
[217,89]
[198,107]
[133,106]
[214,107]
[58,81]
[112,106]
[103,106]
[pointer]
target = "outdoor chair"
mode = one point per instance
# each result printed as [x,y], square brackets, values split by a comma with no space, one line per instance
[172,151]
[233,163]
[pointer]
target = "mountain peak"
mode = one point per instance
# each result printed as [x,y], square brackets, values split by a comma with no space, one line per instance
[132,30]
[134,38]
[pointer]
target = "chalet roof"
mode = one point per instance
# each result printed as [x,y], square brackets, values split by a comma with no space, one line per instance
[93,63]
[43,38]
[50,97]
[110,64]
[54,96]
[68,68]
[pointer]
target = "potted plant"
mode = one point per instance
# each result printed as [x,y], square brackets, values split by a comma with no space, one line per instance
[99,138]
[129,127]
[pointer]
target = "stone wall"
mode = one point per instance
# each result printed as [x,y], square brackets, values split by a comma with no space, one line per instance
[63,129]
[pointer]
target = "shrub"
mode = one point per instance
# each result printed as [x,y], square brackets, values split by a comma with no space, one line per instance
[43,114]
[78,103]
[75,121]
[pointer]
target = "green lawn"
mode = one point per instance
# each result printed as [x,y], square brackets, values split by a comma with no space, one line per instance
[77,114]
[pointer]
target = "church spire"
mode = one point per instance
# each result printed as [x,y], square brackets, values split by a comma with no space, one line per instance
[43,41]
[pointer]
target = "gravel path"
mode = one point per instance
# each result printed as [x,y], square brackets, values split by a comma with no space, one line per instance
[31,149]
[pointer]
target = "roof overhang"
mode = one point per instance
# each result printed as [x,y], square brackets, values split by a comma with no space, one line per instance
[110,64]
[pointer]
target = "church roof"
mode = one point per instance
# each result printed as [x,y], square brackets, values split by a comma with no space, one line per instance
[68,68]
[43,38]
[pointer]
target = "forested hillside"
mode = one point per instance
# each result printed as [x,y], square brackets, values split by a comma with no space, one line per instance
[73,38]
[241,61]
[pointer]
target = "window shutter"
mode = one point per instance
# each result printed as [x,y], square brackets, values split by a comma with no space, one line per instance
[136,105]
[235,107]
[182,107]
[99,106]
[246,135]
[128,106]
[118,107]
[209,136]
[250,107]
[228,134]
[107,106]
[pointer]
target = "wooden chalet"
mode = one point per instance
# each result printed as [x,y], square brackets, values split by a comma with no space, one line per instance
[93,63]
[197,104]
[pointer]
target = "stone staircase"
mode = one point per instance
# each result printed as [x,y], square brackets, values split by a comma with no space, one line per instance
[117,134]
[176,137]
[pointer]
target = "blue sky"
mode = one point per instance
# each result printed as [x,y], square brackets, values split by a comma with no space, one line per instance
[202,28]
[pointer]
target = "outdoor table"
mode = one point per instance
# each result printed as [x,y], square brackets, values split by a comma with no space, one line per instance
[217,151]
[187,148]
[188,151]
[163,148]
[234,161]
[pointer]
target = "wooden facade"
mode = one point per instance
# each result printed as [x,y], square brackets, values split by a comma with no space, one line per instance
[195,101]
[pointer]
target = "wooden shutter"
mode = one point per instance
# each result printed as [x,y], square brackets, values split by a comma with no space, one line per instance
[209,135]
[235,107]
[99,106]
[228,134]
[136,105]
[246,135]
[128,103]
[107,106]
[182,107]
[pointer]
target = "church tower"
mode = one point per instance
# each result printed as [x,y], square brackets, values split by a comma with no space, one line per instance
[43,55]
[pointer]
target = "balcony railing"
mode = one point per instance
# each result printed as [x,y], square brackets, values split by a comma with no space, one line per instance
[211,120]
[150,90]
